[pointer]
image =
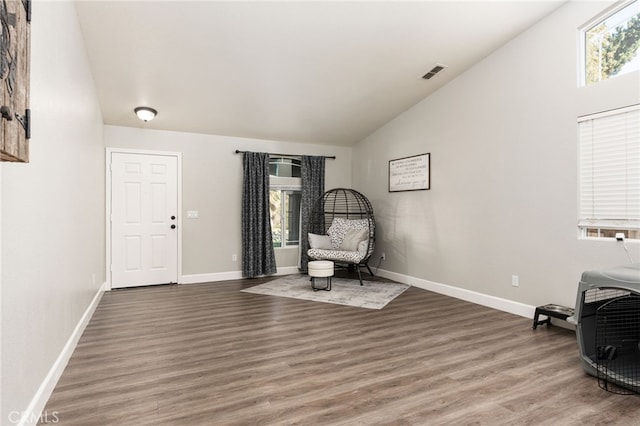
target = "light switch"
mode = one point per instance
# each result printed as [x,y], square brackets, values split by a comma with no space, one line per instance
[192,214]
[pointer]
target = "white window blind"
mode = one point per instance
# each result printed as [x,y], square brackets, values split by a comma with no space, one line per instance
[609,144]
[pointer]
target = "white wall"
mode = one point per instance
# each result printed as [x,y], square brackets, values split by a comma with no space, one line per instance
[52,211]
[212,185]
[503,198]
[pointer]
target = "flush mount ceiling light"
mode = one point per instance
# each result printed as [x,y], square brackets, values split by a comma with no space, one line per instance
[145,113]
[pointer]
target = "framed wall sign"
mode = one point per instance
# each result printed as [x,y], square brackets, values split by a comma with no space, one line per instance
[15,46]
[410,173]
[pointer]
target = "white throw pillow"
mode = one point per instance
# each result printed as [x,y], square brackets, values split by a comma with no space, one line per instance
[362,247]
[352,238]
[320,241]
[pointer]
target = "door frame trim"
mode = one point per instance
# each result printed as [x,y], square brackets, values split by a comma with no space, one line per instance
[109,151]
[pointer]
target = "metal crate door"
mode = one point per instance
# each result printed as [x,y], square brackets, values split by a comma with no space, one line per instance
[618,344]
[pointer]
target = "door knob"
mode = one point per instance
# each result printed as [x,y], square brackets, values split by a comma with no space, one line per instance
[173,227]
[173,218]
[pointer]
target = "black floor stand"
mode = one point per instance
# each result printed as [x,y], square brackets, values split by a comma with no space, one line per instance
[551,310]
[326,287]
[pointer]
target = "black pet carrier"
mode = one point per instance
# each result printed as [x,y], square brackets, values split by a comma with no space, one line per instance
[607,318]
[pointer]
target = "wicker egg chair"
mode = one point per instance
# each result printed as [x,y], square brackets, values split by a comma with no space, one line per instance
[336,213]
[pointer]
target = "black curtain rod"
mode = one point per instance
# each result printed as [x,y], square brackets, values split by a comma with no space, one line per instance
[330,157]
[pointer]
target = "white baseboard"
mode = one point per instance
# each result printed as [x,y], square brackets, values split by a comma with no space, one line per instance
[231,275]
[288,270]
[212,277]
[34,411]
[494,302]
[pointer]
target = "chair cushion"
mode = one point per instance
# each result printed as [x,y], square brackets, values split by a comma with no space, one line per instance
[336,255]
[340,226]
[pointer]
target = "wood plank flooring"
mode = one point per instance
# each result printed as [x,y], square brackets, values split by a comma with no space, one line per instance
[208,354]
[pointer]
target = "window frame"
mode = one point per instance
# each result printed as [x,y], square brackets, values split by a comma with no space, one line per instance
[278,162]
[582,36]
[284,185]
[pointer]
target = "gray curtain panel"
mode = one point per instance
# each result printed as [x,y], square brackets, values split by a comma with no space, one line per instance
[258,257]
[312,189]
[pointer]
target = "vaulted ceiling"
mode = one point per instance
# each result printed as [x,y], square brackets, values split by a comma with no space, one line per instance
[314,72]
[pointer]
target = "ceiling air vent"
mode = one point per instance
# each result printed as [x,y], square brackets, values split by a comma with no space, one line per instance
[435,70]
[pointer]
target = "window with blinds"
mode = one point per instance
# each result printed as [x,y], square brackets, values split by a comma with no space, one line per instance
[609,144]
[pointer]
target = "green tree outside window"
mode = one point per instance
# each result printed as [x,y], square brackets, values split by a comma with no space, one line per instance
[612,44]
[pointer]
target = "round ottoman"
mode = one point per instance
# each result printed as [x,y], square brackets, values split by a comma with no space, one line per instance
[320,269]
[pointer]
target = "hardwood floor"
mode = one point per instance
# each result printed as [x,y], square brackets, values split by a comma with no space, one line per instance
[208,354]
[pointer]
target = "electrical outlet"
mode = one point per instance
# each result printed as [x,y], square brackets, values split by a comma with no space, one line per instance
[384,256]
[234,257]
[515,281]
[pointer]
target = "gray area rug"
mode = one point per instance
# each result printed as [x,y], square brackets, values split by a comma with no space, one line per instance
[371,295]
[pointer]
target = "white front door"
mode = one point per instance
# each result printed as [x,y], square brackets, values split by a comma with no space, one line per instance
[144,210]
